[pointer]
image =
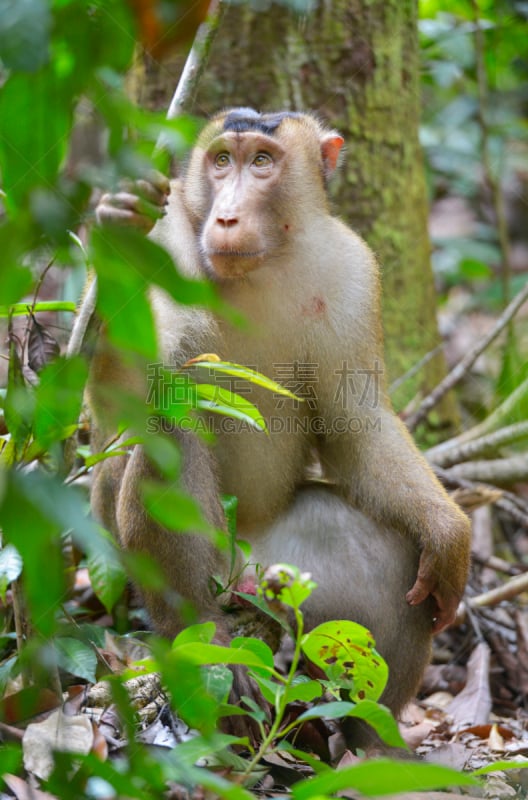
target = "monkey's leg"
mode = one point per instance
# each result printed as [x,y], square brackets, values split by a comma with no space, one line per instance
[363,572]
[106,485]
[189,561]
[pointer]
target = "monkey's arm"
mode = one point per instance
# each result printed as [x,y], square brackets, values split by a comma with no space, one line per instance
[372,456]
[384,475]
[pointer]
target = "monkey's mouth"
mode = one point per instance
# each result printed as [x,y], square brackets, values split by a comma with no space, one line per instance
[228,253]
[233,263]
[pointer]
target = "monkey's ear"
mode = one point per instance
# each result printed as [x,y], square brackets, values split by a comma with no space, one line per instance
[331,145]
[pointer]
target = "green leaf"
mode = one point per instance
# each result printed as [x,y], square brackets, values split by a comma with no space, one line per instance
[77,658]
[238,371]
[35,121]
[107,574]
[222,401]
[7,670]
[145,571]
[513,371]
[88,633]
[165,454]
[378,716]
[202,632]
[96,458]
[380,777]
[174,509]
[122,303]
[10,760]
[381,719]
[10,567]
[336,710]
[35,510]
[262,650]
[229,411]
[199,747]
[230,506]
[24,33]
[216,654]
[18,402]
[15,242]
[59,397]
[76,767]
[184,681]
[106,34]
[305,691]
[28,525]
[218,680]
[272,691]
[7,450]
[345,651]
[133,251]
[217,785]
[500,766]
[473,270]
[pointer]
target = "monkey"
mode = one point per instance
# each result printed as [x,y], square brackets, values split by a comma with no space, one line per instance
[385,543]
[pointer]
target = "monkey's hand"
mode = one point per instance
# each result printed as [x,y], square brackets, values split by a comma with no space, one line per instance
[434,581]
[139,204]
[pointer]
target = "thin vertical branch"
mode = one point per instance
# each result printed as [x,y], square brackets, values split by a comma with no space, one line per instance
[194,65]
[196,60]
[189,79]
[20,624]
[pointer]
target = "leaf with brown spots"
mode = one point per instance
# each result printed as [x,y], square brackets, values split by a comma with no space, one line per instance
[346,653]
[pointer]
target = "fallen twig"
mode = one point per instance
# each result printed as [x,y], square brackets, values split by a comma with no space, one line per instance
[501,471]
[455,450]
[460,369]
[509,589]
[501,415]
[499,565]
[508,502]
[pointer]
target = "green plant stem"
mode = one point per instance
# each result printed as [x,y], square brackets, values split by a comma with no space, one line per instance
[21,309]
[19,621]
[280,707]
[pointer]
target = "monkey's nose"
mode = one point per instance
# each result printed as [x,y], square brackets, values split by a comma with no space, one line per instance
[227,221]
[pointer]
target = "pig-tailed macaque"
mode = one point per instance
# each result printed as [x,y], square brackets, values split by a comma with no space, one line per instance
[386,545]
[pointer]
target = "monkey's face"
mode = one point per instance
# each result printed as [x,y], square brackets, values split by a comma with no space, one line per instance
[247,221]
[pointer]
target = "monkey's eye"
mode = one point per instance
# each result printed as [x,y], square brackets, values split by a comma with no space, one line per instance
[222,160]
[262,160]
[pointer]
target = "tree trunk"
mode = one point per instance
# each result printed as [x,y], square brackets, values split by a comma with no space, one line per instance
[356,64]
